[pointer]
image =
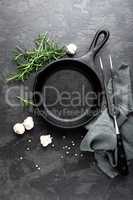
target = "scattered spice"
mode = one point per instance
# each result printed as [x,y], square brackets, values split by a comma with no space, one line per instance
[53,145]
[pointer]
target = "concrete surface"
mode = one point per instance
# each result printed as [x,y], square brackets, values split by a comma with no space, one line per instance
[50,174]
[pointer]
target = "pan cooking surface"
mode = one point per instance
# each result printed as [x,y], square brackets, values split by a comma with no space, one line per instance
[65,94]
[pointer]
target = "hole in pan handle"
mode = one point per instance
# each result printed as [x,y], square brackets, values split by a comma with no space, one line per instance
[96,45]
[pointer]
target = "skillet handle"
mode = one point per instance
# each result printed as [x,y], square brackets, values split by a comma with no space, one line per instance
[96,45]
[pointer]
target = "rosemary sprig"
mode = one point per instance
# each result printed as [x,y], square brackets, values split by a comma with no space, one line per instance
[25,102]
[32,60]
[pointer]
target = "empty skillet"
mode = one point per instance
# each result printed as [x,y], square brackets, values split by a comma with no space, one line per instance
[67,92]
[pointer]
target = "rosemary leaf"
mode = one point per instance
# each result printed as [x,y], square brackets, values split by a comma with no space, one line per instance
[25,102]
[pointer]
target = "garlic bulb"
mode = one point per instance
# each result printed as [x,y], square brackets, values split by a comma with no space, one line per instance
[28,123]
[45,140]
[19,128]
[71,49]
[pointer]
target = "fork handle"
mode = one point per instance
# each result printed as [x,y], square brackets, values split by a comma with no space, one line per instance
[122,161]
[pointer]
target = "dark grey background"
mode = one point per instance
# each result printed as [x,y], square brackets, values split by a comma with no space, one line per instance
[69,177]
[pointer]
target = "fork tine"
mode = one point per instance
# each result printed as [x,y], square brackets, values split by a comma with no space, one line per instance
[101,63]
[111,64]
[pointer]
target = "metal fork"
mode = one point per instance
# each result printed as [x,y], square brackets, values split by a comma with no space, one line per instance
[111,106]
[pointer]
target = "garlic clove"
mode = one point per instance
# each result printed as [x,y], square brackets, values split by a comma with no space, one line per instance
[71,49]
[45,140]
[29,118]
[19,128]
[28,123]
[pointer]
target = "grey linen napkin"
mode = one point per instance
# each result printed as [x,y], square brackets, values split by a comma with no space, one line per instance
[101,138]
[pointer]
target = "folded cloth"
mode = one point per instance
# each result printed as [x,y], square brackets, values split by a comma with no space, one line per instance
[101,138]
